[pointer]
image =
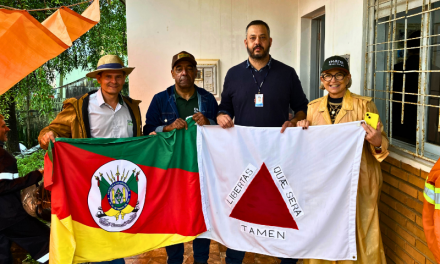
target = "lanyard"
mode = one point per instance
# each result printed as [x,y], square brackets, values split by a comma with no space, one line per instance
[259,87]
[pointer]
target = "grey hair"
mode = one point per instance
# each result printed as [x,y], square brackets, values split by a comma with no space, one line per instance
[321,86]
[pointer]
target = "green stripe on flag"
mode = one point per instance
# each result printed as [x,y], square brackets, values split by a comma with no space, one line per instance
[174,149]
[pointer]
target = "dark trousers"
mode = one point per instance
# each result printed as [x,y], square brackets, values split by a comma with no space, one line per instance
[200,247]
[236,257]
[30,234]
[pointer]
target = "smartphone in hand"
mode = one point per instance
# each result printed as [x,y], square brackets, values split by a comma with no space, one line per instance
[371,119]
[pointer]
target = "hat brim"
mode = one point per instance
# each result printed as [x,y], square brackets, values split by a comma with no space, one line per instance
[93,74]
[189,59]
[337,68]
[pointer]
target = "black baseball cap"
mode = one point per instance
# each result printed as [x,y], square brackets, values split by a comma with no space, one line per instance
[183,56]
[335,62]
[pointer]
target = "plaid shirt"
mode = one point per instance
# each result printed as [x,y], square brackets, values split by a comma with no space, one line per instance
[248,64]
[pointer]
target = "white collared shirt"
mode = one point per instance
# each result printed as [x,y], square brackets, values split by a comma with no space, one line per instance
[106,122]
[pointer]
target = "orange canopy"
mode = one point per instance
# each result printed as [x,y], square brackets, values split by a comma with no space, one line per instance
[26,44]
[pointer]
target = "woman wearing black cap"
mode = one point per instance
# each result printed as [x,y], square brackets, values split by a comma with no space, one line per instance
[341,106]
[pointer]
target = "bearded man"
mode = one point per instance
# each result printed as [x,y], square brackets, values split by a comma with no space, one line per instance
[259,92]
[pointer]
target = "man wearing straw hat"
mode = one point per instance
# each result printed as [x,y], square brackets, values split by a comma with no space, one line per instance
[104,113]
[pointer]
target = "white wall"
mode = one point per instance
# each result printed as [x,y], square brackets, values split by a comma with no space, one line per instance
[209,29]
[215,29]
[344,35]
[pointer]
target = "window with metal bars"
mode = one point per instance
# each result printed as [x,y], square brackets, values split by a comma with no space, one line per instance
[402,72]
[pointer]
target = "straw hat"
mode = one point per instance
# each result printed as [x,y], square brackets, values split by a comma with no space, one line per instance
[110,63]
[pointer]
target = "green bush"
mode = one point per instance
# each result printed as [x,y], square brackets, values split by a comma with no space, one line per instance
[31,162]
[29,259]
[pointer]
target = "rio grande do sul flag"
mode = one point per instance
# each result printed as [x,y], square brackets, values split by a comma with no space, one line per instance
[290,195]
[114,198]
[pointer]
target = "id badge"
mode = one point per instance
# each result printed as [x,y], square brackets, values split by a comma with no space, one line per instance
[258,100]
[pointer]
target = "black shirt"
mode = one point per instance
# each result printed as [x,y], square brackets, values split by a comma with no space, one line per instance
[11,208]
[334,105]
[281,89]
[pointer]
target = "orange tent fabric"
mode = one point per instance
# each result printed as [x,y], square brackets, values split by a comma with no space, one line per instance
[26,44]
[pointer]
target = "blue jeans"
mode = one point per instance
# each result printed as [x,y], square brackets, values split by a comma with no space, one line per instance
[116,261]
[200,247]
[236,257]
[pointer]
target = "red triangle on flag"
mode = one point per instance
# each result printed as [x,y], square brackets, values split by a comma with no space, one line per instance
[263,204]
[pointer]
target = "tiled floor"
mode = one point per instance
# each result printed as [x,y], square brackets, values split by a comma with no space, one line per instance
[217,255]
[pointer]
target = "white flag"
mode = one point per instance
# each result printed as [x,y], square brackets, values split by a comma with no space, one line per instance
[290,195]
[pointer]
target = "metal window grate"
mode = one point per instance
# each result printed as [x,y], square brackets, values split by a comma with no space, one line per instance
[400,74]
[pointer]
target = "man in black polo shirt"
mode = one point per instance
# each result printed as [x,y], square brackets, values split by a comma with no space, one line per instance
[261,78]
[259,92]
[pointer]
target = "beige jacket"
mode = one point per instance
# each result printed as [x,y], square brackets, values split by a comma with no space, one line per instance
[368,238]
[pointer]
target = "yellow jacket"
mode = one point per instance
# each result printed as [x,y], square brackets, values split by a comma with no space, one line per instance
[73,120]
[368,238]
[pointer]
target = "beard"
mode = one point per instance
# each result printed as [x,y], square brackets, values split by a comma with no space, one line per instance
[261,56]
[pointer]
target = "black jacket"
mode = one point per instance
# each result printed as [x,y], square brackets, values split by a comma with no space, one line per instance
[11,208]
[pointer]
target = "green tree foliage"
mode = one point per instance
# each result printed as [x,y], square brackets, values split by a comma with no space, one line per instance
[30,260]
[34,92]
[31,162]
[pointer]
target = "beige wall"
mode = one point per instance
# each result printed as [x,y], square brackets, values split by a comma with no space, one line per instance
[343,35]
[209,29]
[215,29]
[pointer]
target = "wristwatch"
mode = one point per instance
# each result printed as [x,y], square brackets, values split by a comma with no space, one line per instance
[378,149]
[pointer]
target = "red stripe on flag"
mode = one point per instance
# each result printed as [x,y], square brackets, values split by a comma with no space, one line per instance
[48,171]
[172,203]
[169,206]
[72,172]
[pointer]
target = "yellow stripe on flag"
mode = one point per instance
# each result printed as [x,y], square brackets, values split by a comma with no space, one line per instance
[89,244]
[62,243]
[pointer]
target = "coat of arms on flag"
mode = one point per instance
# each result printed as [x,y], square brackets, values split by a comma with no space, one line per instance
[115,199]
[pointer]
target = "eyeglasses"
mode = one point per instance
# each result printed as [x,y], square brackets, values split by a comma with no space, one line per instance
[328,77]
